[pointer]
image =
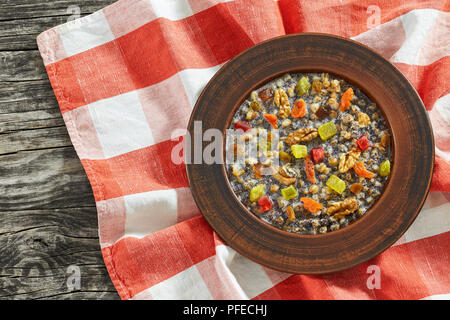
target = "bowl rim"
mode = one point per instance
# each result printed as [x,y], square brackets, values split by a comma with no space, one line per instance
[360,259]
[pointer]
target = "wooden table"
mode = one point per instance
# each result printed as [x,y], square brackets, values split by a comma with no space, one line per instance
[48,219]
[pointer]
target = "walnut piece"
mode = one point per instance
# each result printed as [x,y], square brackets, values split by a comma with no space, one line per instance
[385,139]
[283,175]
[363,119]
[343,208]
[281,100]
[348,160]
[301,135]
[290,213]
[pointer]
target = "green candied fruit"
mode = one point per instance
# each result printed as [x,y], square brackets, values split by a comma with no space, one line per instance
[256,192]
[336,184]
[385,168]
[327,130]
[289,192]
[299,151]
[302,86]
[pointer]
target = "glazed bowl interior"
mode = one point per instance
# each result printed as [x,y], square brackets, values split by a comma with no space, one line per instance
[355,82]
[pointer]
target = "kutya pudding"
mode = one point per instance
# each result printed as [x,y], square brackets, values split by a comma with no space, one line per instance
[308,153]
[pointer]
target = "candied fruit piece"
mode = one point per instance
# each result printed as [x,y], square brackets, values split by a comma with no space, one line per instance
[265,203]
[284,156]
[323,112]
[385,168]
[266,94]
[327,130]
[302,86]
[360,170]
[256,192]
[299,151]
[311,205]
[346,99]
[299,109]
[363,142]
[289,192]
[317,155]
[336,184]
[272,119]
[309,169]
[243,125]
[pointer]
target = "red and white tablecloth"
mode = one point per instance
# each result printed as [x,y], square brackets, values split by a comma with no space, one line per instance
[128,75]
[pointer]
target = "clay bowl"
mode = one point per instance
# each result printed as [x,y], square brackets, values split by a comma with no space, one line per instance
[412,154]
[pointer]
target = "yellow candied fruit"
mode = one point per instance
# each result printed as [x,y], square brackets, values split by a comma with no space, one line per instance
[327,130]
[336,184]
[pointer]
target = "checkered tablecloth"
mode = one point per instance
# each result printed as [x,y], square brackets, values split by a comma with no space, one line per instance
[128,75]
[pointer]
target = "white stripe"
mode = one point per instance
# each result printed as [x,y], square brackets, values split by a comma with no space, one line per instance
[444,296]
[194,80]
[430,221]
[149,212]
[440,121]
[171,9]
[121,124]
[250,277]
[186,285]
[418,24]
[85,33]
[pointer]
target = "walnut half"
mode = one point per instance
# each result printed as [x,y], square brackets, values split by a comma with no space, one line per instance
[301,135]
[343,208]
[348,160]
[281,100]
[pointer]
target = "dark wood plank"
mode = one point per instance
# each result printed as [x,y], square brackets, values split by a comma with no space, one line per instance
[48,218]
[26,9]
[21,23]
[38,246]
[52,178]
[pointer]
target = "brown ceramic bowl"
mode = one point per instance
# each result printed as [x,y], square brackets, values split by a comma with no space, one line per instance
[412,154]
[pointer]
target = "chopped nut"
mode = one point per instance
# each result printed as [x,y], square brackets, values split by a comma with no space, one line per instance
[290,213]
[343,208]
[286,123]
[314,189]
[251,114]
[333,162]
[385,139]
[284,180]
[302,135]
[237,171]
[348,160]
[274,188]
[317,85]
[281,100]
[363,119]
[291,92]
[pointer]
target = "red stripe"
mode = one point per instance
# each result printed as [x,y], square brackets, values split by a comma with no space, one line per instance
[157,50]
[441,174]
[137,264]
[345,19]
[413,270]
[429,80]
[137,171]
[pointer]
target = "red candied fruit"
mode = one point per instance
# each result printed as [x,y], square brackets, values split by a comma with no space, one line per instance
[243,125]
[265,203]
[317,155]
[363,142]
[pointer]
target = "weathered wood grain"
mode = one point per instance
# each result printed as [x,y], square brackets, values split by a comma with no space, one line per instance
[52,178]
[48,218]
[26,9]
[38,246]
[21,23]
